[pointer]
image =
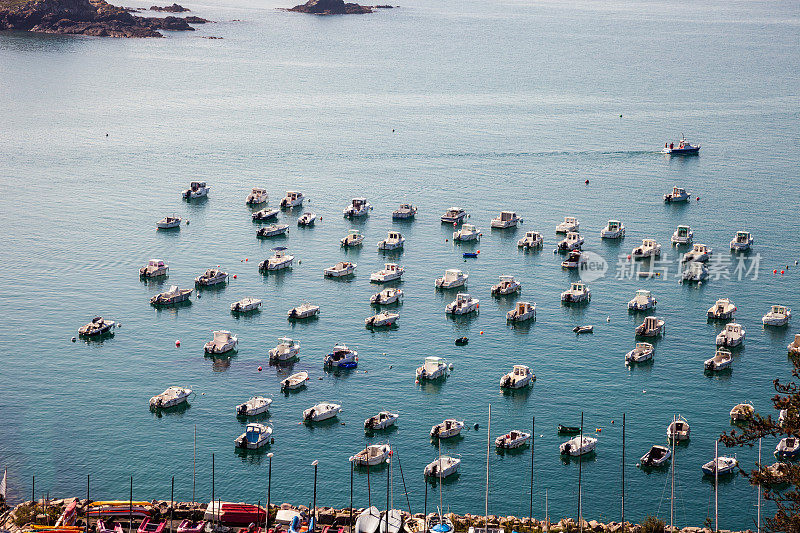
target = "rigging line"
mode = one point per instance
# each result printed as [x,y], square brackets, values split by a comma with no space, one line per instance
[404,482]
[661,502]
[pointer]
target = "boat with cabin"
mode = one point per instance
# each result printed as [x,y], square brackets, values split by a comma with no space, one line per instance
[732,335]
[507,285]
[506,219]
[578,292]
[341,357]
[382,420]
[292,199]
[720,466]
[571,241]
[648,248]
[742,412]
[387,296]
[393,241]
[722,359]
[452,278]
[694,271]
[212,276]
[295,381]
[573,260]
[254,406]
[723,309]
[255,436]
[265,214]
[462,305]
[257,196]
[405,211]
[652,326]
[197,189]
[340,269]
[569,224]
[700,253]
[522,311]
[223,341]
[519,377]
[169,223]
[273,230]
[372,455]
[390,272]
[577,446]
[778,315]
[684,148]
[170,398]
[286,350]
[613,230]
[532,239]
[358,207]
[742,242]
[382,319]
[447,428]
[322,411]
[304,310]
[442,467]
[788,448]
[433,368]
[643,351]
[353,238]
[678,430]
[245,305]
[467,232]
[513,439]
[454,215]
[279,260]
[154,268]
[97,327]
[678,194]
[642,301]
[173,296]
[682,235]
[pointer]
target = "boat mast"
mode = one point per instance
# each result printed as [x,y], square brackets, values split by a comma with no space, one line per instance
[439,476]
[623,472]
[580,464]
[672,474]
[546,513]
[194,463]
[533,446]
[716,485]
[758,520]
[388,484]
[488,443]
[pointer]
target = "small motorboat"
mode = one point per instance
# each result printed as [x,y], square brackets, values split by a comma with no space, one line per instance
[104,526]
[519,377]
[257,196]
[191,526]
[794,346]
[197,189]
[387,296]
[442,467]
[506,219]
[678,194]
[583,329]
[721,466]
[372,455]
[643,351]
[321,411]
[447,428]
[452,278]
[742,241]
[169,223]
[353,238]
[777,471]
[652,326]
[573,260]
[642,301]
[658,455]
[454,215]
[265,214]
[358,207]
[569,224]
[578,446]
[390,272]
[522,311]
[368,521]
[154,268]
[462,341]
[462,305]
[723,309]
[98,326]
[279,260]
[151,526]
[405,211]
[273,230]
[382,319]
[722,359]
[512,439]
[212,276]
[340,270]
[648,248]
[304,310]
[170,398]
[222,342]
[295,381]
[254,406]
[613,230]
[173,296]
[393,241]
[307,219]
[699,253]
[572,241]
[778,315]
[568,430]
[532,239]
[245,305]
[507,285]
[255,436]
[382,420]
[470,255]
[684,148]
[341,357]
[732,335]
[742,412]
[694,271]
[467,232]
[577,292]
[292,199]
[286,350]
[788,447]
[682,235]
[678,430]
[433,368]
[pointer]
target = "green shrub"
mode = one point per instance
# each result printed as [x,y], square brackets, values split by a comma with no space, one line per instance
[652,524]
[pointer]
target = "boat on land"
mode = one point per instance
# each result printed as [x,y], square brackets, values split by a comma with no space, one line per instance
[642,301]
[98,326]
[307,219]
[678,430]
[454,215]
[390,272]
[257,196]
[340,269]
[295,381]
[254,406]
[682,235]
[245,305]
[643,351]
[286,350]
[452,278]
[368,521]
[109,526]
[522,311]
[506,219]
[149,525]
[372,455]
[173,296]
[405,211]
[358,207]
[778,315]
[304,310]
[442,467]
[722,359]
[255,436]
[513,439]
[273,230]
[382,319]
[212,276]
[723,309]
[742,242]
[393,241]
[657,456]
[223,341]
[684,148]
[190,526]
[720,466]
[462,305]
[322,411]
[613,230]
[648,248]
[169,223]
[447,428]
[652,326]
[279,260]
[387,296]
[292,199]
[433,368]
[197,189]
[265,214]
[231,515]
[382,420]
[577,292]
[154,268]
[353,238]
[577,446]
[341,357]
[170,398]
[507,285]
[569,224]
[532,239]
[519,377]
[732,335]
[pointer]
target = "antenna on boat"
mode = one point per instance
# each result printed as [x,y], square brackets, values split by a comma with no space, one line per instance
[623,472]
[488,444]
[580,464]
[533,446]
[194,463]
[439,475]
[716,485]
[213,514]
[388,485]
[672,473]
[758,519]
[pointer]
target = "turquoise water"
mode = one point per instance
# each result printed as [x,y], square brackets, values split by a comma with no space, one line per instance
[488,106]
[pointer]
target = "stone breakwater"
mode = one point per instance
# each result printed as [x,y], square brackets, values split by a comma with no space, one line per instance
[327,516]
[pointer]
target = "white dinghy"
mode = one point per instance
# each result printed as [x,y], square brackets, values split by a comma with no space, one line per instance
[578,446]
[382,420]
[286,350]
[657,456]
[254,406]
[442,467]
[246,305]
[372,455]
[512,439]
[321,411]
[382,319]
[519,377]
[387,296]
[447,428]
[340,270]
[170,398]
[720,466]
[295,381]
[722,359]
[173,296]
[304,310]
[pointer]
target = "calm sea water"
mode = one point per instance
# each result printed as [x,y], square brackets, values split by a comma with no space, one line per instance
[489,106]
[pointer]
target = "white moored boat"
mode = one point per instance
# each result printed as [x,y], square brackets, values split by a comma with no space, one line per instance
[682,235]
[648,248]
[732,335]
[170,398]
[723,309]
[678,194]
[658,455]
[447,428]
[372,455]
[222,342]
[390,272]
[353,238]
[532,239]
[613,230]
[292,199]
[642,301]
[305,310]
[684,148]
[169,223]
[307,219]
[321,411]
[700,253]
[462,305]
[384,318]
[722,359]
[678,429]
[571,241]
[788,447]
[340,269]
[295,381]
[197,189]
[573,260]
[742,412]
[507,285]
[569,224]
[265,214]
[442,467]
[577,292]
[652,326]
[742,241]
[578,446]
[393,241]
[521,376]
[433,368]
[273,230]
[212,276]
[358,207]
[794,346]
[720,466]
[257,196]
[512,439]
[382,420]
[643,351]
[154,268]
[468,232]
[452,278]
[387,296]
[245,305]
[254,406]
[522,311]
[341,357]
[694,271]
[778,315]
[286,350]
[255,436]
[454,215]
[279,260]
[404,211]
[172,296]
[506,219]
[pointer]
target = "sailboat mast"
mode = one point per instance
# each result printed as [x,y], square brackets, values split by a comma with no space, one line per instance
[623,472]
[758,522]
[580,464]
[533,446]
[439,476]
[488,443]
[716,485]
[672,476]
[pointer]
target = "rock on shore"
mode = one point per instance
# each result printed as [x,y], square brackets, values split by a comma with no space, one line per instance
[174,8]
[331,7]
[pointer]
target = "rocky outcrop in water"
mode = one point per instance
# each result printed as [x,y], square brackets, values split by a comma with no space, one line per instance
[331,7]
[174,8]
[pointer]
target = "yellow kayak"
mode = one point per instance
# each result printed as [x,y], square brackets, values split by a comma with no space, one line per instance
[53,528]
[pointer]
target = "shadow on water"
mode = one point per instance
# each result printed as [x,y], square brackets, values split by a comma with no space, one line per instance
[323,424]
[434,442]
[261,417]
[339,373]
[255,456]
[220,363]
[176,410]
[719,375]
[171,309]
[449,480]
[585,458]
[463,319]
[723,479]
[521,327]
[777,334]
[246,315]
[380,433]
[302,322]
[521,450]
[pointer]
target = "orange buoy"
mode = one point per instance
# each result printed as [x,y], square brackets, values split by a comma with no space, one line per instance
[481,333]
[259,369]
[234,276]
[782,272]
[775,271]
[629,256]
[177,344]
[586,182]
[478,251]
[245,259]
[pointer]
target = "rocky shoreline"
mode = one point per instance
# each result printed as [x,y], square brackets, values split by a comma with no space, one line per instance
[329,516]
[335,7]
